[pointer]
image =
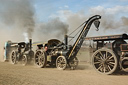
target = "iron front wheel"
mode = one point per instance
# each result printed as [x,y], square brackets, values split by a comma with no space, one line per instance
[24,60]
[13,57]
[105,61]
[61,63]
[40,59]
[73,63]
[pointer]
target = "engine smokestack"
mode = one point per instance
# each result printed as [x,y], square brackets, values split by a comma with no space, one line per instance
[30,43]
[66,40]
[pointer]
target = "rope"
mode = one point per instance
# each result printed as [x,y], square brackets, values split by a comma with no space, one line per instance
[77,28]
[77,32]
[75,35]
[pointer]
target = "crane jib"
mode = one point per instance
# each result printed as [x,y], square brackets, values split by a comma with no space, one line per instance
[82,35]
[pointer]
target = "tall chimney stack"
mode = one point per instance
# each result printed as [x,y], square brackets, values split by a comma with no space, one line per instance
[66,40]
[30,43]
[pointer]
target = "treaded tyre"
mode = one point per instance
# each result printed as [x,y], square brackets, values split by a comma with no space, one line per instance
[105,61]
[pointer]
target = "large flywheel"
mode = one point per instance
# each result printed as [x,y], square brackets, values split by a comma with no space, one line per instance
[105,61]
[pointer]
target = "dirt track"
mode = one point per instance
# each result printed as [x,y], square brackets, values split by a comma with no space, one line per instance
[31,75]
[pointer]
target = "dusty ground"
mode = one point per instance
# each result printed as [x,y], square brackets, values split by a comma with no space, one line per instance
[83,75]
[31,75]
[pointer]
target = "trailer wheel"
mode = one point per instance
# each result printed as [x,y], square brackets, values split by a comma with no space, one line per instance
[61,63]
[24,60]
[73,63]
[40,59]
[13,57]
[105,61]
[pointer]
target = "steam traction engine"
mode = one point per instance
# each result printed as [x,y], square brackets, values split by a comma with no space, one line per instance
[23,53]
[110,53]
[55,52]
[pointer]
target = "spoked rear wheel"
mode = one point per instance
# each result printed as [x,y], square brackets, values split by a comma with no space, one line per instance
[40,59]
[61,63]
[73,63]
[13,57]
[24,60]
[105,61]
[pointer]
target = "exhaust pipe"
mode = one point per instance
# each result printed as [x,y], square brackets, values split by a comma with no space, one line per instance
[66,40]
[31,52]
[30,43]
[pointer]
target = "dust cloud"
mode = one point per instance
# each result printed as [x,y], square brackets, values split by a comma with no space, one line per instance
[16,18]
[18,23]
[18,13]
